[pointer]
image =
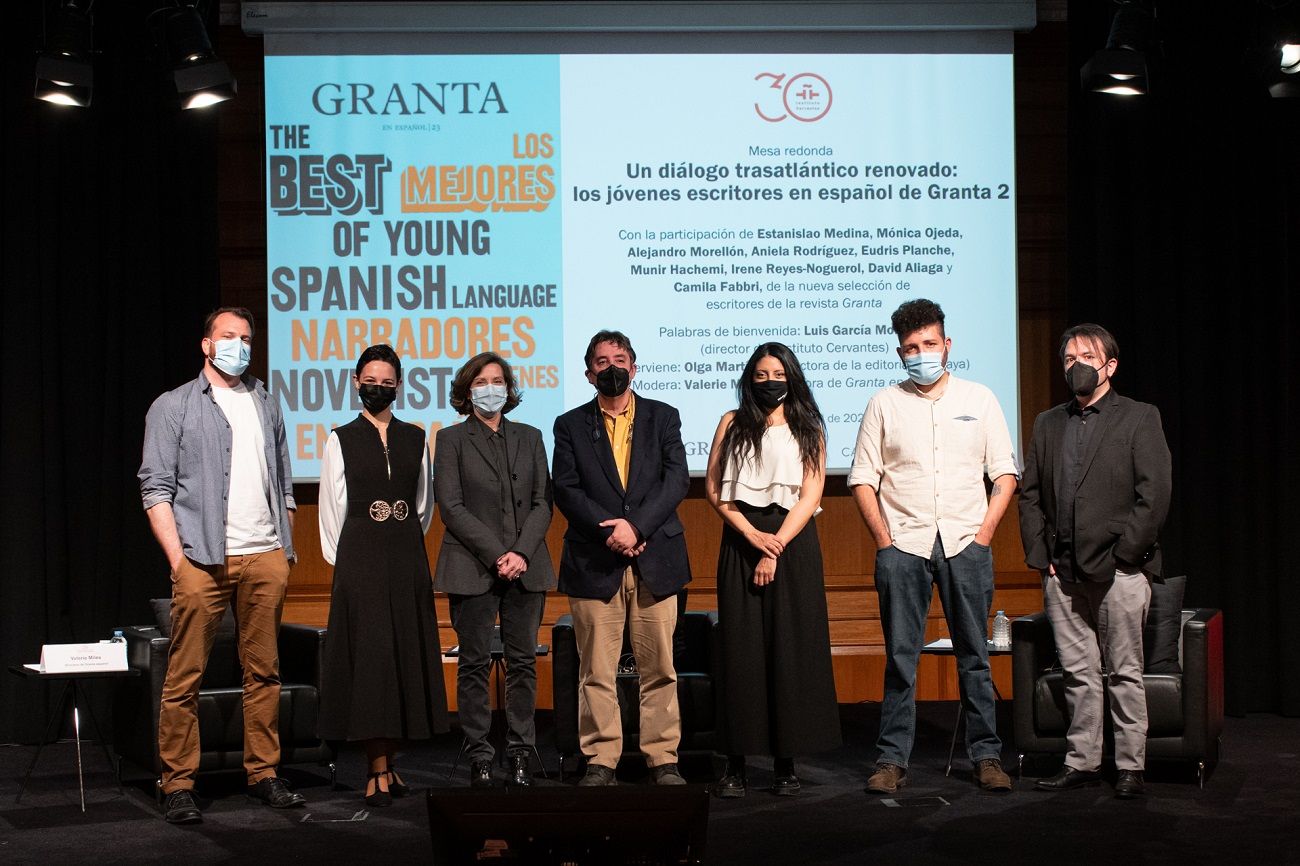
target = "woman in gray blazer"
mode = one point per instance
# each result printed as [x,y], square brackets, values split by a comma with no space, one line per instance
[493,490]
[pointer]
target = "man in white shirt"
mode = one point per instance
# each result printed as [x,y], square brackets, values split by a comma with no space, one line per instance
[217,488]
[924,448]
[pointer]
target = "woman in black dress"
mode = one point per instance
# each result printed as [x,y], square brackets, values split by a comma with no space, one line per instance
[766,470]
[382,666]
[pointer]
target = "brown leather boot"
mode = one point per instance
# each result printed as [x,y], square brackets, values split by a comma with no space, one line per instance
[887,779]
[989,775]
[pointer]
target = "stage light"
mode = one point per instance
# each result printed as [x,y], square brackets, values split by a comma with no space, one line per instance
[1284,66]
[1121,67]
[1284,79]
[65,74]
[1289,61]
[199,76]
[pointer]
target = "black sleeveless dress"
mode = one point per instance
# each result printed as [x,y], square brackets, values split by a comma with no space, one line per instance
[382,666]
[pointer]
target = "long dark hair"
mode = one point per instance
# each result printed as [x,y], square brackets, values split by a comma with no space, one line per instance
[745,435]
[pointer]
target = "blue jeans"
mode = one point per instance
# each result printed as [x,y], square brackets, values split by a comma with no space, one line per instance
[965,582]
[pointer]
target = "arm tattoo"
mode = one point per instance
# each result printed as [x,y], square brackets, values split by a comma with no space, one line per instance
[997,488]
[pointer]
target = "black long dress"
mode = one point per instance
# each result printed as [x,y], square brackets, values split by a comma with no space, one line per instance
[382,665]
[778,686]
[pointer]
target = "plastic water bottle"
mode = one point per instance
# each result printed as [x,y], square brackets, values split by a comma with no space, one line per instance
[118,637]
[1001,630]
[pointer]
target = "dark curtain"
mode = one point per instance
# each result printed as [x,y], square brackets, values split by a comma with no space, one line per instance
[109,264]
[1184,234]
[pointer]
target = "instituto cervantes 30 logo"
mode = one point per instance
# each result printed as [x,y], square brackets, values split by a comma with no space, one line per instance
[805,97]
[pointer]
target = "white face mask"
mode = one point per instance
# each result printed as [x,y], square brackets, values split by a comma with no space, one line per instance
[488,399]
[231,356]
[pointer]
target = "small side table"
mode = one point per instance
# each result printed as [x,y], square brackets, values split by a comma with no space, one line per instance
[71,691]
[943,647]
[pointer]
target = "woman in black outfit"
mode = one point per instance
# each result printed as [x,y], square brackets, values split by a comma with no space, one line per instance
[381,679]
[766,471]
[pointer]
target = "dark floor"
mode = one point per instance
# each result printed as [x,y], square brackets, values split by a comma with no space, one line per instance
[1249,812]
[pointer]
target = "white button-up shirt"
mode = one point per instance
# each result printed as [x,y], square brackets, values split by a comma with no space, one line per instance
[926,459]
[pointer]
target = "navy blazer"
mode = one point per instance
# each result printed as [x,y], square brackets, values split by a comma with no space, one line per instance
[588,491]
[1123,494]
[468,488]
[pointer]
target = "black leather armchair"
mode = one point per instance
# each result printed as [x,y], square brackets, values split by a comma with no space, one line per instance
[696,657]
[1184,710]
[221,724]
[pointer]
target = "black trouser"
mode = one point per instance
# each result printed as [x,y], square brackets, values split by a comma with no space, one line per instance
[473,617]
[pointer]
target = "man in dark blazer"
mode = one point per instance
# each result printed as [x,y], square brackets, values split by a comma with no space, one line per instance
[493,490]
[619,473]
[1094,497]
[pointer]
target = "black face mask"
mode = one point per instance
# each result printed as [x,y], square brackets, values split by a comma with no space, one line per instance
[1081,379]
[612,381]
[377,398]
[769,394]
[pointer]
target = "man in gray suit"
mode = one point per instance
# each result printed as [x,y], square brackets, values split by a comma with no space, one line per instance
[1094,497]
[494,494]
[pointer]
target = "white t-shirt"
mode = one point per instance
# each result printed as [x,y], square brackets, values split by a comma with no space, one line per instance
[250,524]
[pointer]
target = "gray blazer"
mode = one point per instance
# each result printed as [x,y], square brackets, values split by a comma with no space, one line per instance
[469,489]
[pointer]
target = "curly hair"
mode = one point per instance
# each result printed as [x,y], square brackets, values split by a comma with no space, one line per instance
[915,315]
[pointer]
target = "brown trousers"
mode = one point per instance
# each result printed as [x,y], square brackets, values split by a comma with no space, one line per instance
[598,628]
[200,595]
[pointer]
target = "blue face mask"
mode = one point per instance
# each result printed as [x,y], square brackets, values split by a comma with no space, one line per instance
[488,399]
[924,368]
[232,356]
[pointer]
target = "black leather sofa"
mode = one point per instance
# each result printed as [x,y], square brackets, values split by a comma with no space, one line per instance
[1185,710]
[221,734]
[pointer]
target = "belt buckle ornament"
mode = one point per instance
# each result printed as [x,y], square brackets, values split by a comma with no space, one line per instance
[381,511]
[400,510]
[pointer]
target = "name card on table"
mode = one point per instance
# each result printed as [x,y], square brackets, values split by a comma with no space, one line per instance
[74,658]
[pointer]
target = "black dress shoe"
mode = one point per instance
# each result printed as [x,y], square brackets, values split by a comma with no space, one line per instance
[396,788]
[181,809]
[1068,780]
[1129,785]
[785,785]
[784,782]
[379,798]
[597,776]
[275,793]
[732,784]
[519,776]
[480,774]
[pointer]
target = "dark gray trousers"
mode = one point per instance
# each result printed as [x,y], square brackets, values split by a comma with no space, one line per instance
[473,617]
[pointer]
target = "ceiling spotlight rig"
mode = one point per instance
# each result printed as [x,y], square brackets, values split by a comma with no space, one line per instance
[1270,54]
[1121,67]
[65,71]
[1282,37]
[199,77]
